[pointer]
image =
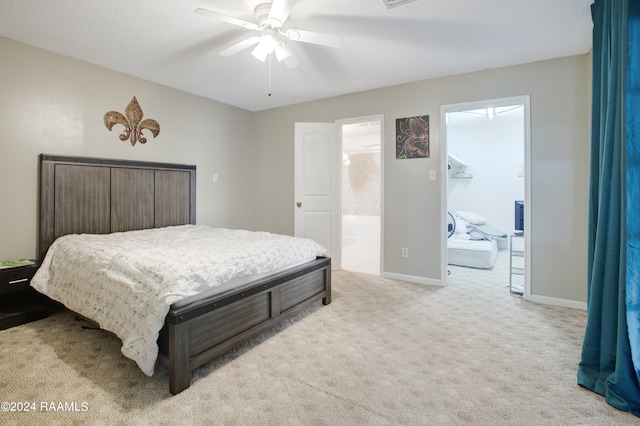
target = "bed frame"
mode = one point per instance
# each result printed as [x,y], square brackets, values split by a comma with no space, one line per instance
[94,195]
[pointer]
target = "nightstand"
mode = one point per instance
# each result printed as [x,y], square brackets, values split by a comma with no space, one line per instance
[19,303]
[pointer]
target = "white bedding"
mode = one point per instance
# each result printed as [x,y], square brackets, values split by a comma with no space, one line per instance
[127,281]
[471,253]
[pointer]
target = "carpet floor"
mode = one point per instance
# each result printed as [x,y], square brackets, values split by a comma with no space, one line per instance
[384,352]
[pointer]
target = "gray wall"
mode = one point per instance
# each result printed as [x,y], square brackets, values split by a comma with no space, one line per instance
[559,91]
[53,104]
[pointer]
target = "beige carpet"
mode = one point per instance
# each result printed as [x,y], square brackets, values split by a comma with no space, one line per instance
[382,353]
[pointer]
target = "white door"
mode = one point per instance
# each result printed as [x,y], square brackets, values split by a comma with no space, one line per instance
[316,189]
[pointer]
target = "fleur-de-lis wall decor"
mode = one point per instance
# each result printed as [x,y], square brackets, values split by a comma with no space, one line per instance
[133,123]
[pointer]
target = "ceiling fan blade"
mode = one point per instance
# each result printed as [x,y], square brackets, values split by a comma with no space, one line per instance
[280,10]
[323,39]
[238,47]
[224,18]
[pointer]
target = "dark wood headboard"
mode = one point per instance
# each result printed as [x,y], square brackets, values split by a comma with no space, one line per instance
[100,196]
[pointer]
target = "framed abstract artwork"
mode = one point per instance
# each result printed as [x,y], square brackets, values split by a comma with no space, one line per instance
[412,137]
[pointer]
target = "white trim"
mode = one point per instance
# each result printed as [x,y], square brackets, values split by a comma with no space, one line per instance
[340,123]
[413,279]
[443,196]
[524,100]
[527,197]
[564,303]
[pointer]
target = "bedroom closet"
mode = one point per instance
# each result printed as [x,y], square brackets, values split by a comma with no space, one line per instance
[486,147]
[360,194]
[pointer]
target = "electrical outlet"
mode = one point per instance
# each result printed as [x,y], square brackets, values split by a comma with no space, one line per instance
[405,251]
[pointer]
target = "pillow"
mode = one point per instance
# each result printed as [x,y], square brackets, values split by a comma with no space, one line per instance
[461,225]
[472,217]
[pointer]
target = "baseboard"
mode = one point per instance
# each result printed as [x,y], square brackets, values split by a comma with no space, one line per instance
[564,303]
[413,279]
[558,302]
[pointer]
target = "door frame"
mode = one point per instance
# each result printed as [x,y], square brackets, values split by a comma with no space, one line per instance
[523,100]
[354,120]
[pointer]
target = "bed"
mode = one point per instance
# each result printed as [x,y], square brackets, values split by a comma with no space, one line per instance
[472,254]
[473,243]
[97,199]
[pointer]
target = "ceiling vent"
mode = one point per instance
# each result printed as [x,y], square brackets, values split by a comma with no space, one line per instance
[395,3]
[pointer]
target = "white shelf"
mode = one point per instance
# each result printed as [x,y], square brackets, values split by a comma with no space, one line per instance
[516,264]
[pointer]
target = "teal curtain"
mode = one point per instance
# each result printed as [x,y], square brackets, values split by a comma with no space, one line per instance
[632,128]
[610,362]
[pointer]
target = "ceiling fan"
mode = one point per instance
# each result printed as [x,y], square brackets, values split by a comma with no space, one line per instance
[270,19]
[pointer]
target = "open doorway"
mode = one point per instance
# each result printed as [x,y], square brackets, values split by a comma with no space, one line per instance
[361,194]
[487,145]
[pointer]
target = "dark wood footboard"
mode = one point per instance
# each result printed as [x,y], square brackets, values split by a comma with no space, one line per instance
[197,333]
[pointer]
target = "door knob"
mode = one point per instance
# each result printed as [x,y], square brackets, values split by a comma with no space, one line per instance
[299,204]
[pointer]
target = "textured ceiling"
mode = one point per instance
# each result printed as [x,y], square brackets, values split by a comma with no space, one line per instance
[165,42]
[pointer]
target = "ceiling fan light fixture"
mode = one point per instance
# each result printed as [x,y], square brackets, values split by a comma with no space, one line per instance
[259,53]
[267,44]
[270,16]
[282,51]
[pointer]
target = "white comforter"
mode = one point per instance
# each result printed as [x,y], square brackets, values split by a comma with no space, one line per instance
[127,281]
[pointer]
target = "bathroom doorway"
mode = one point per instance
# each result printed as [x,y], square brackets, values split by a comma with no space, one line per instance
[361,194]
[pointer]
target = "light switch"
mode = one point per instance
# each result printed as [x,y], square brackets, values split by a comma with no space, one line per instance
[432,175]
[215,177]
